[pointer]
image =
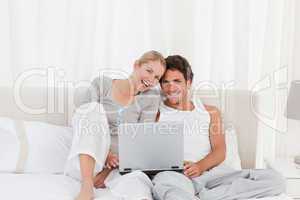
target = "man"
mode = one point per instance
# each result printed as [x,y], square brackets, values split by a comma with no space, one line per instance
[204,148]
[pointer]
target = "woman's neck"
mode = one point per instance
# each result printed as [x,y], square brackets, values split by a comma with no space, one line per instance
[126,87]
[133,84]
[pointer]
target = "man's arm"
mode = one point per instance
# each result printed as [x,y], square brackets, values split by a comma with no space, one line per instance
[217,141]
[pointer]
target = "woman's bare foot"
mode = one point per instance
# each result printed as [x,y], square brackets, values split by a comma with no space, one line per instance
[100,178]
[87,190]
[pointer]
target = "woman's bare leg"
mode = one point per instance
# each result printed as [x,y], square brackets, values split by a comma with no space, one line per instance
[87,165]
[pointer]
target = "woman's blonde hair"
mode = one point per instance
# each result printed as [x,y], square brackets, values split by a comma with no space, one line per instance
[152,56]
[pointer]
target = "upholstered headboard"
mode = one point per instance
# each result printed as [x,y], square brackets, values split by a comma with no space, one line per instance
[56,105]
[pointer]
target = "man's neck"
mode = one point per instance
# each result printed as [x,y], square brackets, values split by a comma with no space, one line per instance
[186,105]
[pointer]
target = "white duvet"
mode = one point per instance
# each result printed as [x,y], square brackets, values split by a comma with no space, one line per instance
[54,187]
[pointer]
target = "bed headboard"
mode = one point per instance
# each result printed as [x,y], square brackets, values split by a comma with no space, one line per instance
[56,105]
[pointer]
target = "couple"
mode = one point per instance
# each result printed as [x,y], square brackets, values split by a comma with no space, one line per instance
[94,150]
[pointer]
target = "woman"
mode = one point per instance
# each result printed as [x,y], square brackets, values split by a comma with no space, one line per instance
[128,100]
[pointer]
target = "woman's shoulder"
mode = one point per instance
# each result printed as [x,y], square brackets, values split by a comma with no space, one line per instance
[101,81]
[100,87]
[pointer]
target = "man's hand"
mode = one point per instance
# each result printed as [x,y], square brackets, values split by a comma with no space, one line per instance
[192,170]
[112,161]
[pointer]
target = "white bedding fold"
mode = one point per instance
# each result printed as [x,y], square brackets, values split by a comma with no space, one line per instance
[53,187]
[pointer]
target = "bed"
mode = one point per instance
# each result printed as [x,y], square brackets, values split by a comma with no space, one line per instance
[53,187]
[60,104]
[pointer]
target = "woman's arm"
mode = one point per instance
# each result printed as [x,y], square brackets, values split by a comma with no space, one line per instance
[218,146]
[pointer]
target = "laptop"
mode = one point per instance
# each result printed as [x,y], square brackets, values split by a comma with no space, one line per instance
[151,147]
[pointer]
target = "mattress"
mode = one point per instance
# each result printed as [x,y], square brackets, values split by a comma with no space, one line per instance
[43,187]
[54,187]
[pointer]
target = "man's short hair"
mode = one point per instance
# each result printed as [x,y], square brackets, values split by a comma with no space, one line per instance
[177,62]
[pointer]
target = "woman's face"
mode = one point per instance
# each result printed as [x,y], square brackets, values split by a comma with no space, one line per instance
[148,74]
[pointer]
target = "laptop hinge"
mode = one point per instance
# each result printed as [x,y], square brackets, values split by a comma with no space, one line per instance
[175,167]
[127,169]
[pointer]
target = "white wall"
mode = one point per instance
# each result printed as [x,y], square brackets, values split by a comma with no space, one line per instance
[293,138]
[296,55]
[288,143]
[293,135]
[279,137]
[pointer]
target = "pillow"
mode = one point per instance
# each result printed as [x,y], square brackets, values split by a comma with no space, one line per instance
[33,147]
[232,159]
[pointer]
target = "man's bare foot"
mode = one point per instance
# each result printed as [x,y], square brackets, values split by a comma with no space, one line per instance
[100,178]
[87,190]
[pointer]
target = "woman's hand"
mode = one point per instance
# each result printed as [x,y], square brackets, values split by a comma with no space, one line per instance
[192,170]
[112,161]
[100,178]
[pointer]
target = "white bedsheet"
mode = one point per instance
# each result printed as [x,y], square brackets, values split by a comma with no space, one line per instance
[53,187]
[43,187]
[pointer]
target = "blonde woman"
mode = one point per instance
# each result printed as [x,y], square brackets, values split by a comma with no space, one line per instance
[95,132]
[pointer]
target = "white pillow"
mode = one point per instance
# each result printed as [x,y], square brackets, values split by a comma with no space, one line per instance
[233,159]
[33,147]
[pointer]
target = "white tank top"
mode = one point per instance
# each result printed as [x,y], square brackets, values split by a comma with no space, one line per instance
[196,129]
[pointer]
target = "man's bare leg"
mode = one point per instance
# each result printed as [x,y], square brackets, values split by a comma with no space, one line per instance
[87,165]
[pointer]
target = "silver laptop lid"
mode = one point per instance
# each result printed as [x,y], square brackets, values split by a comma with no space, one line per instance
[151,146]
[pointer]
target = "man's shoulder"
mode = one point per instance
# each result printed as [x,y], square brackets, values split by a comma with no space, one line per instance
[213,110]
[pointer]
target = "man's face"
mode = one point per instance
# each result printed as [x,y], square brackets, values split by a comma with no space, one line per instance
[174,86]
